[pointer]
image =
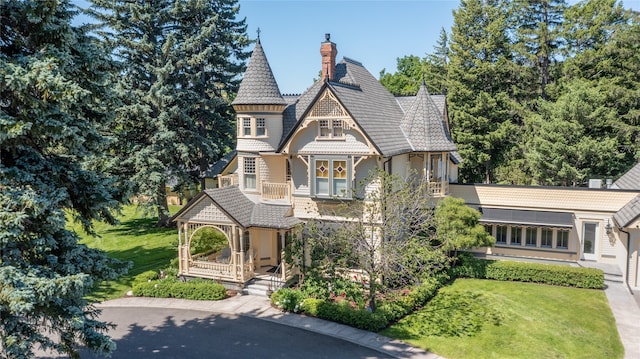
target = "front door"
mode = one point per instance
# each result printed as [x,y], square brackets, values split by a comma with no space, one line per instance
[265,249]
[589,240]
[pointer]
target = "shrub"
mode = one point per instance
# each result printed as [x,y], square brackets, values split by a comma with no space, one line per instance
[349,312]
[197,289]
[529,272]
[287,299]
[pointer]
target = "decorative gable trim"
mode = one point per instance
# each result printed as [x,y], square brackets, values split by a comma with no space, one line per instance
[205,211]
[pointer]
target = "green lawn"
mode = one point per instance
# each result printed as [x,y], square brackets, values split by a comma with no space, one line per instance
[492,319]
[135,239]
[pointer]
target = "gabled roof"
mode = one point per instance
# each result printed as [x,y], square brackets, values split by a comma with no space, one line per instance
[629,213]
[629,180]
[425,126]
[259,86]
[371,106]
[243,211]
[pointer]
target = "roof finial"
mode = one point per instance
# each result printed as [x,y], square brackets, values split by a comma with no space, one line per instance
[423,83]
[258,31]
[327,37]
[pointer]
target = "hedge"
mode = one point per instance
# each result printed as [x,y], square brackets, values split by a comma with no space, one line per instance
[147,285]
[559,275]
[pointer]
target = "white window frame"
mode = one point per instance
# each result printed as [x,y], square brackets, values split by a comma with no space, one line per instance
[502,230]
[557,242]
[331,185]
[512,234]
[331,129]
[250,172]
[548,231]
[246,126]
[261,127]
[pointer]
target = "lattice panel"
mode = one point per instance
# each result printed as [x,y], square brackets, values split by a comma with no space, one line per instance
[328,106]
[206,211]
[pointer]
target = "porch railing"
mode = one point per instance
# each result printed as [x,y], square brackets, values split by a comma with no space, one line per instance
[275,191]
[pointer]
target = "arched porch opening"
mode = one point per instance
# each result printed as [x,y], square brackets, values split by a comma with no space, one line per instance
[232,263]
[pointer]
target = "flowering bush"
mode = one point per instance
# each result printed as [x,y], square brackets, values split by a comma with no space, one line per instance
[287,299]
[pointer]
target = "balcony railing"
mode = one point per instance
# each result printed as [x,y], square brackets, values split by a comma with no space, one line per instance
[276,191]
[228,180]
[438,189]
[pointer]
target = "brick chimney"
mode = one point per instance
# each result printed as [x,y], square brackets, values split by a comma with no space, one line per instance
[328,51]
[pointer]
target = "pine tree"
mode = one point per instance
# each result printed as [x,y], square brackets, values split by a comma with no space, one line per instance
[181,60]
[481,88]
[537,24]
[54,99]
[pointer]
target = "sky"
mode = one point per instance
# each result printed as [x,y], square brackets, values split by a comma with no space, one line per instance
[373,32]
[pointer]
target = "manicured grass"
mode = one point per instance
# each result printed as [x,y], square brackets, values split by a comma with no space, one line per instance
[135,239]
[513,320]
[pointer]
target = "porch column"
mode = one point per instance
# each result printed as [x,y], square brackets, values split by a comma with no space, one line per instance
[180,224]
[282,244]
[241,261]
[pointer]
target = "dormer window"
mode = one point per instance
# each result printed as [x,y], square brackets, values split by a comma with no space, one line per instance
[331,129]
[252,127]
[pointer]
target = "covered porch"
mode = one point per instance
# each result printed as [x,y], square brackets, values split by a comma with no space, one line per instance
[250,238]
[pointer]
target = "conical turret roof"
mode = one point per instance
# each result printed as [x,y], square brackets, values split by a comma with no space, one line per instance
[425,126]
[258,87]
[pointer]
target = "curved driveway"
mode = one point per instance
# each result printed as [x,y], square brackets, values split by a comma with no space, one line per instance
[178,333]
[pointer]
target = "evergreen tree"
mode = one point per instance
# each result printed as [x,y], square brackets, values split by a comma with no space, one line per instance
[54,99]
[604,44]
[181,60]
[482,84]
[537,24]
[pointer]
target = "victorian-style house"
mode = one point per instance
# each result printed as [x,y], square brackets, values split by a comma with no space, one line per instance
[298,156]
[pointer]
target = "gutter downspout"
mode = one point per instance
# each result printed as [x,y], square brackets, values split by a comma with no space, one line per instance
[626,264]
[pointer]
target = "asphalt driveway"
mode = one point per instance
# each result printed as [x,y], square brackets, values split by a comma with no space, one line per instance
[178,333]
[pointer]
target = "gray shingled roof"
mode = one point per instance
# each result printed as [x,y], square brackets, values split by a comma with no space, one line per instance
[371,105]
[627,214]
[220,165]
[258,86]
[425,126]
[249,214]
[629,180]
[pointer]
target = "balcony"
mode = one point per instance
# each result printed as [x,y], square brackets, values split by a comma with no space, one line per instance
[438,189]
[228,180]
[276,191]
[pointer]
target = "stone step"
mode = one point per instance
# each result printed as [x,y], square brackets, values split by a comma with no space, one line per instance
[258,287]
[615,278]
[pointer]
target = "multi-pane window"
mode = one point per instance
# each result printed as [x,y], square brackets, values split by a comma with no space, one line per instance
[501,234]
[246,126]
[261,129]
[337,128]
[249,173]
[531,234]
[339,178]
[546,237]
[331,129]
[562,239]
[322,177]
[516,236]
[331,178]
